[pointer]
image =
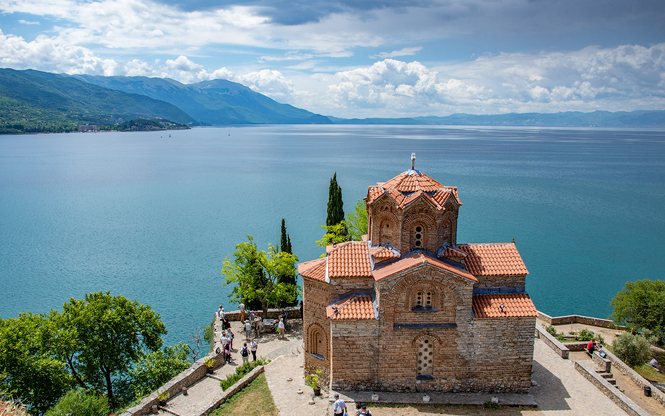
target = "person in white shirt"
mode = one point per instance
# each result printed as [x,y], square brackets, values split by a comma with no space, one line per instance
[282,329]
[220,313]
[252,347]
[339,408]
[248,329]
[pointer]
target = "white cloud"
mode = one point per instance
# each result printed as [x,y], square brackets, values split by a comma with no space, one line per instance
[401,52]
[25,22]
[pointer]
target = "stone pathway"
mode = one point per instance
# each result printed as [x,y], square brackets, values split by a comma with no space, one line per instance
[285,393]
[207,391]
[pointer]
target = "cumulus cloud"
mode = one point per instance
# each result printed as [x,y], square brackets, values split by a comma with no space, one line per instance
[401,52]
[25,22]
[628,77]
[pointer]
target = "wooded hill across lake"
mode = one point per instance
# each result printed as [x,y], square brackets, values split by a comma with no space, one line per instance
[35,102]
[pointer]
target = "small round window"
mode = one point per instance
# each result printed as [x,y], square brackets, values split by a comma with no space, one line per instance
[418,240]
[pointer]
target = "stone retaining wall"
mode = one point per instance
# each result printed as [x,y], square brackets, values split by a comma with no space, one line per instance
[609,390]
[633,375]
[185,379]
[603,363]
[578,319]
[291,313]
[552,342]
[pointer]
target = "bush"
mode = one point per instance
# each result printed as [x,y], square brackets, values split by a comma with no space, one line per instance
[241,372]
[80,403]
[631,349]
[552,331]
[584,335]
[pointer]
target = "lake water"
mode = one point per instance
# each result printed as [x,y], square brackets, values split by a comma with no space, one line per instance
[152,217]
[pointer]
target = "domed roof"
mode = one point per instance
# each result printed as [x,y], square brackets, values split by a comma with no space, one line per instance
[408,186]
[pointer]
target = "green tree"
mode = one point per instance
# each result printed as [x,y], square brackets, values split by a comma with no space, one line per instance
[334,234]
[335,203]
[81,403]
[285,240]
[641,305]
[631,349]
[254,275]
[30,369]
[356,221]
[104,337]
[290,277]
[154,369]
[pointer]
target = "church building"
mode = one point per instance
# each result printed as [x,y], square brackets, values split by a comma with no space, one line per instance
[411,309]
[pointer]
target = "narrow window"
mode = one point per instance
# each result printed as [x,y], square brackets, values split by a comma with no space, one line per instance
[425,358]
[428,300]
[418,242]
[419,299]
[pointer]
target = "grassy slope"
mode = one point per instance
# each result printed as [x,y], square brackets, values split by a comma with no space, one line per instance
[253,400]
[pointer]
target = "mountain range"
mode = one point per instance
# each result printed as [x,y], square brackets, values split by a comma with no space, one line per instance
[35,101]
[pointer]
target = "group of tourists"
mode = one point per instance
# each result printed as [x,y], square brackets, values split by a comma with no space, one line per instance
[339,408]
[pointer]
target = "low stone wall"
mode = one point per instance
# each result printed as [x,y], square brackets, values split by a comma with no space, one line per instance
[603,363]
[552,342]
[576,346]
[609,390]
[291,313]
[185,379]
[578,319]
[633,375]
[239,385]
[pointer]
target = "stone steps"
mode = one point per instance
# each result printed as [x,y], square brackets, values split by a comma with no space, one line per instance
[607,376]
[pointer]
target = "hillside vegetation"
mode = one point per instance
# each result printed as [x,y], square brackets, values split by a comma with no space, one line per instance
[34,102]
[216,101]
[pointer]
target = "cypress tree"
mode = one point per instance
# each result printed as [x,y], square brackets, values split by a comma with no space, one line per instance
[288,244]
[283,242]
[335,203]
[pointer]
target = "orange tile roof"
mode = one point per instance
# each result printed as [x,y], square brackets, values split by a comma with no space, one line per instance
[409,186]
[514,305]
[490,259]
[355,307]
[349,260]
[415,260]
[383,253]
[314,269]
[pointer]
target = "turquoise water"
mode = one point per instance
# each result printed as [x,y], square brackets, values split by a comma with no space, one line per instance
[152,217]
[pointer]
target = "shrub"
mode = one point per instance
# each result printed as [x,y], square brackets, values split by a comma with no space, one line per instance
[552,331]
[241,372]
[584,335]
[631,349]
[80,402]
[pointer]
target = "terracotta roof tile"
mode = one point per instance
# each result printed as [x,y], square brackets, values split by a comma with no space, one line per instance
[491,259]
[355,307]
[349,260]
[416,260]
[314,269]
[514,305]
[409,186]
[383,253]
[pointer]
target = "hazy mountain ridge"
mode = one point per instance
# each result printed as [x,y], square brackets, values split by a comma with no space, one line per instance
[216,101]
[641,118]
[35,101]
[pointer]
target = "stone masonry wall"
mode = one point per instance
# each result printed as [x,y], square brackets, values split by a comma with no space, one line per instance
[317,296]
[480,355]
[501,281]
[354,353]
[503,357]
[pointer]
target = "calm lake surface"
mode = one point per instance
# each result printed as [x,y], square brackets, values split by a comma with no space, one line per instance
[152,217]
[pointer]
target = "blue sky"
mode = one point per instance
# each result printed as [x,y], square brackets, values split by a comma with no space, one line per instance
[378,58]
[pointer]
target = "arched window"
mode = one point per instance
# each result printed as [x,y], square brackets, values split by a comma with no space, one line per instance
[425,359]
[424,299]
[418,237]
[317,343]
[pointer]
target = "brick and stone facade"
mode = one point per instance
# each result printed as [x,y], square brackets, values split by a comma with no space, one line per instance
[410,309]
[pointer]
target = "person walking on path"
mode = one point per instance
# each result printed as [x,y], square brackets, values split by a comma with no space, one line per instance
[339,408]
[248,330]
[244,353]
[364,411]
[253,347]
[281,328]
[220,313]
